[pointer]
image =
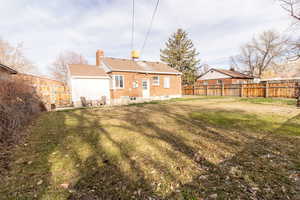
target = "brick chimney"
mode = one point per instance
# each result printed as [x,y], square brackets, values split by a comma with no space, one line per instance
[99,57]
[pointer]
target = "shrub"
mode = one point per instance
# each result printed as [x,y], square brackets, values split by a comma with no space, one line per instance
[19,104]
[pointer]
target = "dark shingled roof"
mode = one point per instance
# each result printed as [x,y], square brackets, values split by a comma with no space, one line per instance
[9,69]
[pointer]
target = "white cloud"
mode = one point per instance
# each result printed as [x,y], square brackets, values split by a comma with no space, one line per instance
[217,27]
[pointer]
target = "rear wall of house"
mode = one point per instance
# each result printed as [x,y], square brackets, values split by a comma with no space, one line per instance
[155,91]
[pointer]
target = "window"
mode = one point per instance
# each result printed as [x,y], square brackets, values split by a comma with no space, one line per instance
[219,81]
[155,80]
[145,84]
[119,81]
[167,82]
[135,84]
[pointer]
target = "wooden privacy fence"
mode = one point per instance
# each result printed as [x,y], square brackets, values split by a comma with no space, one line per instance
[283,89]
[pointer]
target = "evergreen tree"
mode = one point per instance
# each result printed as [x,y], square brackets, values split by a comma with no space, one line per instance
[181,55]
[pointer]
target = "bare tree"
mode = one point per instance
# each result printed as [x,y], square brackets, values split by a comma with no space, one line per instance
[266,50]
[292,7]
[203,68]
[59,67]
[13,56]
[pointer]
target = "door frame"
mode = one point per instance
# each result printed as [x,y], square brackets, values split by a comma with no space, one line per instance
[147,95]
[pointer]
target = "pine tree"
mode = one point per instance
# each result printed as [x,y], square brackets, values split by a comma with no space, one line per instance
[181,55]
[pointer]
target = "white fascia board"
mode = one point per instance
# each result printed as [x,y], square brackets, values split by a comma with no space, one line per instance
[90,77]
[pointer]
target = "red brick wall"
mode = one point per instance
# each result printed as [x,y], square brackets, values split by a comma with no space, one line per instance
[130,77]
[50,91]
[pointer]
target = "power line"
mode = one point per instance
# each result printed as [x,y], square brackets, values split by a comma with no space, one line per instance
[132,28]
[150,27]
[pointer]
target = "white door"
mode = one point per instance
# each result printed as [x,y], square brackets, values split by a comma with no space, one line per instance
[146,89]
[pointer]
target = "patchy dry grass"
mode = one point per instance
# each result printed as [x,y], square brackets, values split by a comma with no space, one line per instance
[211,148]
[270,101]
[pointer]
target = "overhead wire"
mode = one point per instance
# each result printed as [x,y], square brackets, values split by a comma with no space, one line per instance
[132,27]
[150,27]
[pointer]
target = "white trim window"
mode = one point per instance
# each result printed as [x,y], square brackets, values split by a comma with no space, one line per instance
[167,82]
[155,80]
[118,81]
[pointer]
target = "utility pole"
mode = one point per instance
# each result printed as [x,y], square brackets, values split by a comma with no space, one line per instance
[298,94]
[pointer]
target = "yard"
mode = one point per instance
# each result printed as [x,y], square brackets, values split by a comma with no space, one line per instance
[194,148]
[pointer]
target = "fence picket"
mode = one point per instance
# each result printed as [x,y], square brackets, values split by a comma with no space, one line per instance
[283,89]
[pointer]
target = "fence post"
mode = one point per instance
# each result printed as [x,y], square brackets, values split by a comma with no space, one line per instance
[193,89]
[241,90]
[206,90]
[222,89]
[267,90]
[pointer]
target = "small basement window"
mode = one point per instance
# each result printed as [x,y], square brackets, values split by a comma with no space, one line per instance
[155,80]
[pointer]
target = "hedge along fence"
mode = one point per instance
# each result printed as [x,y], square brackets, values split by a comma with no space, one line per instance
[282,89]
[54,94]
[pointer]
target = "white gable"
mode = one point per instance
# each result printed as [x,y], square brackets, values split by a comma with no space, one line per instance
[212,74]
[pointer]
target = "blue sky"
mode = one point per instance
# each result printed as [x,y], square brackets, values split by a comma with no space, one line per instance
[217,27]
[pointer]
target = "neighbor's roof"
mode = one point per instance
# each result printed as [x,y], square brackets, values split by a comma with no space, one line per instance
[9,69]
[117,64]
[233,74]
[86,70]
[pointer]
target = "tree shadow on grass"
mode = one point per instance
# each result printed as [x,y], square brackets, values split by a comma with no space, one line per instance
[264,169]
[158,152]
[177,143]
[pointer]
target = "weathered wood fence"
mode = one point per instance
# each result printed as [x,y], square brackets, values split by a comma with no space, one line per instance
[281,89]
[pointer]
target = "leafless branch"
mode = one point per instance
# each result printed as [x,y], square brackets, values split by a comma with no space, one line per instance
[59,67]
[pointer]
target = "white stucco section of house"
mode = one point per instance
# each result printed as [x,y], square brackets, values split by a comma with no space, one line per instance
[92,88]
[211,74]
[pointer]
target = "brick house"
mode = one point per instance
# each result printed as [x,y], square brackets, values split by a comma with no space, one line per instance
[6,71]
[219,76]
[122,81]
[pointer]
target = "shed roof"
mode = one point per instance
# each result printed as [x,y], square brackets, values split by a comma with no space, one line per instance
[86,70]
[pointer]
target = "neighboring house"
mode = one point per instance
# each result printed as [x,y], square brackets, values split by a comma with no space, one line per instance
[219,76]
[121,81]
[6,71]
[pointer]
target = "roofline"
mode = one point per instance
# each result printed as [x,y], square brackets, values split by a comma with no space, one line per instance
[140,71]
[8,69]
[90,77]
[249,77]
[147,72]
[40,76]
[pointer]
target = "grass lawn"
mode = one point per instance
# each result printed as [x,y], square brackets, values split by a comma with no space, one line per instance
[194,148]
